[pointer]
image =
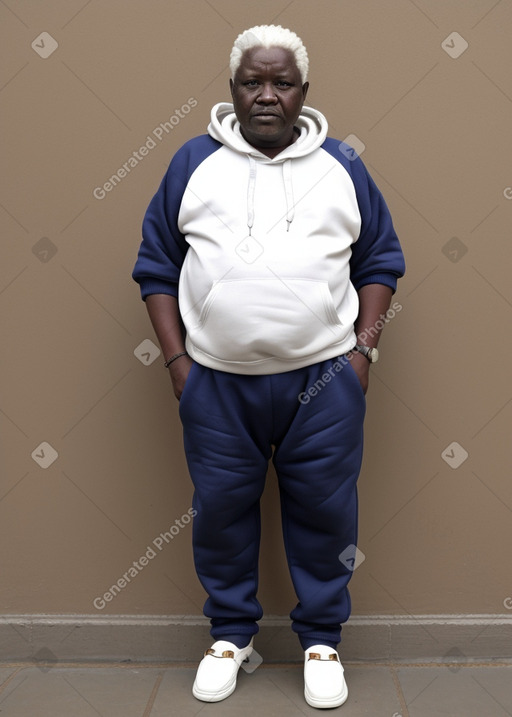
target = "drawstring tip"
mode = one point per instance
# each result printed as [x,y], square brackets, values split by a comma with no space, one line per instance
[288,222]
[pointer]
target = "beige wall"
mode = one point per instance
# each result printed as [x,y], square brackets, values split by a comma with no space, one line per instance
[437,131]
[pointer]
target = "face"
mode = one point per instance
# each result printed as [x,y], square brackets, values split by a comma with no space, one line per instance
[268,96]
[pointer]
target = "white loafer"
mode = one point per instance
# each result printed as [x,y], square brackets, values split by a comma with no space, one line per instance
[218,670]
[324,680]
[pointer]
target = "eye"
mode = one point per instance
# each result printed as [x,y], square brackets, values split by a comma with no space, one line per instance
[283,83]
[250,83]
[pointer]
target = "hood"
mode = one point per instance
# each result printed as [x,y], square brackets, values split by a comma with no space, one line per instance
[225,128]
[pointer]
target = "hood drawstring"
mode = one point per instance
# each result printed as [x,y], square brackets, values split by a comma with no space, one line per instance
[288,189]
[250,193]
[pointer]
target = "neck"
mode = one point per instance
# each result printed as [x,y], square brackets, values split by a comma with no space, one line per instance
[271,151]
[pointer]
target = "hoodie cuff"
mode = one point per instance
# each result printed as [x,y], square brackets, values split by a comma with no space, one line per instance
[383,278]
[157,286]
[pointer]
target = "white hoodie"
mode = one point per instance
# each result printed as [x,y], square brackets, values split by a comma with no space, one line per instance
[265,283]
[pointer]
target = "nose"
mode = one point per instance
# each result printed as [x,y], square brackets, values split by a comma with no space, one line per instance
[267,94]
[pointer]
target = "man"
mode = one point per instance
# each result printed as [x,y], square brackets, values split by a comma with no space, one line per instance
[267,250]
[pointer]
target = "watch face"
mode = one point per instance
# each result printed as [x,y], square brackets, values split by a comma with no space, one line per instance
[373,355]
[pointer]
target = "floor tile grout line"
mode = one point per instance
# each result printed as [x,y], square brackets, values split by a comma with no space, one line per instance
[404,711]
[56,665]
[152,696]
[11,677]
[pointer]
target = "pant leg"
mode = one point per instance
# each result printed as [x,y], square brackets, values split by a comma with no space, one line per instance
[318,459]
[227,452]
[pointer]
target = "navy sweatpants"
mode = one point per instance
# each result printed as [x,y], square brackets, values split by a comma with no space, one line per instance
[310,421]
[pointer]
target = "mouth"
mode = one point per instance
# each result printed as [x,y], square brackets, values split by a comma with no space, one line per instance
[265,114]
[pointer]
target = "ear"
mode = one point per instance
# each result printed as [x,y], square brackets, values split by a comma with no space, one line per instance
[231,87]
[305,88]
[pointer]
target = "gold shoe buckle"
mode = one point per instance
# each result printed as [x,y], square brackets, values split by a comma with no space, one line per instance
[226,653]
[316,656]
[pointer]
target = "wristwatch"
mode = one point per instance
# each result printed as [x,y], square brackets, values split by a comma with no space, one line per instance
[371,354]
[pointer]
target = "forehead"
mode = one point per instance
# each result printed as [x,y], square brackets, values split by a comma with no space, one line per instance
[264,60]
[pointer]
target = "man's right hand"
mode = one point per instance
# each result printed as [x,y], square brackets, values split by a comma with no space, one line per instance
[165,316]
[179,371]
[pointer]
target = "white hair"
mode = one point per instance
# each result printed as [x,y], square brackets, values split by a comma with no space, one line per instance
[269,36]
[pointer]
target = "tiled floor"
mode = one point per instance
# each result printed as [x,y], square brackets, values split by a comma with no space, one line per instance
[149,690]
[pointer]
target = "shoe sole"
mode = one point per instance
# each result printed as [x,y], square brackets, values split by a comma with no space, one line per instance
[327,703]
[214,696]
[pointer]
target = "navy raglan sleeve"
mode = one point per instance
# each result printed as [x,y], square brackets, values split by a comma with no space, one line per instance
[377,257]
[163,248]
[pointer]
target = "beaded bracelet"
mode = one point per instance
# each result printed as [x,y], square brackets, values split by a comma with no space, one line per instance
[173,358]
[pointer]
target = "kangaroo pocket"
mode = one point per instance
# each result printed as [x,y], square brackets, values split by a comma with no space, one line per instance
[257,319]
